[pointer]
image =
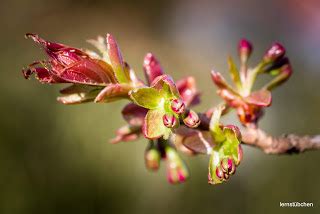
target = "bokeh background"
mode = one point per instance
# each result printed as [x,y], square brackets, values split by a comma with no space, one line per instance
[57,159]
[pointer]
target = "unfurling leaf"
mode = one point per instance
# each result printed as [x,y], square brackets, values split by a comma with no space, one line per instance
[228,151]
[234,73]
[113,92]
[76,94]
[149,98]
[153,126]
[116,60]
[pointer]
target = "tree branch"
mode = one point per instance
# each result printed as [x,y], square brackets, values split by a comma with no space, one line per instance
[285,144]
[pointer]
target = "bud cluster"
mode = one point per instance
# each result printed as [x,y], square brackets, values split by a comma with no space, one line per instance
[226,169]
[159,105]
[189,117]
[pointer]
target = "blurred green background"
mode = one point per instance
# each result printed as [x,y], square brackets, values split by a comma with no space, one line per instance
[57,159]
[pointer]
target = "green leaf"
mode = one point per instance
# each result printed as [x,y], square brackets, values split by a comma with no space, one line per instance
[215,129]
[153,126]
[229,148]
[149,98]
[234,73]
[166,85]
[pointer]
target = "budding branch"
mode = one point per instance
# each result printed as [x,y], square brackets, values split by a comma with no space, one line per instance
[285,144]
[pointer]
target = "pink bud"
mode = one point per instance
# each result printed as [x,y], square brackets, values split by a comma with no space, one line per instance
[177,171]
[276,52]
[228,166]
[192,119]
[169,121]
[178,106]
[220,173]
[245,49]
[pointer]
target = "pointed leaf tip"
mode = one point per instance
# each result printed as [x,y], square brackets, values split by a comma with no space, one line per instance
[116,60]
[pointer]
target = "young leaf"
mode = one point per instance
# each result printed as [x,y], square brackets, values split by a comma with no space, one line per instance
[152,68]
[134,114]
[167,86]
[199,142]
[76,94]
[259,98]
[153,126]
[113,92]
[221,82]
[227,150]
[149,98]
[234,73]
[215,129]
[116,60]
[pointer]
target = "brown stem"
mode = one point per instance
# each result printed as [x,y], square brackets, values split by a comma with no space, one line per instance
[285,144]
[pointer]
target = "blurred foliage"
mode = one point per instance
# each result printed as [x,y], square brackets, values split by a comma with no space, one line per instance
[56,159]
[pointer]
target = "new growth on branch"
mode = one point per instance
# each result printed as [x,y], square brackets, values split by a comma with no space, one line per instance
[160,109]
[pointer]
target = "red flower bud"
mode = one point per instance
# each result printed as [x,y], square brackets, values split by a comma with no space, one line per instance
[228,166]
[178,106]
[177,171]
[192,119]
[169,121]
[277,51]
[245,50]
[220,173]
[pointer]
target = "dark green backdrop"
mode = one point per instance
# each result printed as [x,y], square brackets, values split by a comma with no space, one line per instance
[57,159]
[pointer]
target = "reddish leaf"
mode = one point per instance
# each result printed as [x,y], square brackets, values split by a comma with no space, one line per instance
[166,84]
[67,64]
[199,142]
[134,114]
[126,133]
[259,98]
[113,92]
[151,67]
[116,60]
[188,91]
